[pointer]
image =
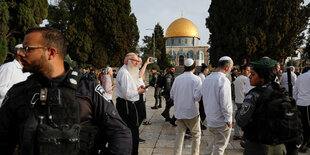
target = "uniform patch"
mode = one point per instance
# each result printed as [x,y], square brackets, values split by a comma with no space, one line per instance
[245,108]
[101,92]
[249,96]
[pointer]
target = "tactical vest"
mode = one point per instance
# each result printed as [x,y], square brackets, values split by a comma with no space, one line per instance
[53,125]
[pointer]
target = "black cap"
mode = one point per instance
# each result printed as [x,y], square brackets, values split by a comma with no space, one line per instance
[267,63]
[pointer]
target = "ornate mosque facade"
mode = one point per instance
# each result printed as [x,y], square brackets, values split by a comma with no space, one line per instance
[182,43]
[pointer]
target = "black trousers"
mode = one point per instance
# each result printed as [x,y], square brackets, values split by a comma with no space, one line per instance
[129,113]
[305,120]
[202,110]
[169,104]
[141,109]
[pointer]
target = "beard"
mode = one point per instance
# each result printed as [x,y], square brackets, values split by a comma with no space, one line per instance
[133,71]
[35,66]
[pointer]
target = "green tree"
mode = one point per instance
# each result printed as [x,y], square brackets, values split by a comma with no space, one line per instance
[306,52]
[163,60]
[16,17]
[250,29]
[99,32]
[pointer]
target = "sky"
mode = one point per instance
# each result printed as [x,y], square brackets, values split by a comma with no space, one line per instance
[164,12]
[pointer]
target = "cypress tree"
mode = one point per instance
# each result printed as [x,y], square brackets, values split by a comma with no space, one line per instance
[250,29]
[16,17]
[99,32]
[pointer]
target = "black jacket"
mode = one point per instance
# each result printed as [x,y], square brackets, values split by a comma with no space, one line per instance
[168,81]
[94,110]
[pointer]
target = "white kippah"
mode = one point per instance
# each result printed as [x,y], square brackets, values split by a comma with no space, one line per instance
[18,46]
[225,58]
[189,62]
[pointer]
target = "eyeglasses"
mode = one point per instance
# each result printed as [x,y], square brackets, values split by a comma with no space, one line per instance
[26,49]
[134,60]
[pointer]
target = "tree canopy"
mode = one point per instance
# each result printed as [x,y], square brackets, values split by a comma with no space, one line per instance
[99,32]
[251,29]
[163,60]
[16,17]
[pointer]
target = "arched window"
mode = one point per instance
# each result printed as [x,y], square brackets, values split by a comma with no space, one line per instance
[181,53]
[190,54]
[172,54]
[200,55]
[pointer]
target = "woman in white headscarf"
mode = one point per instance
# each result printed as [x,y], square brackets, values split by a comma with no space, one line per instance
[107,82]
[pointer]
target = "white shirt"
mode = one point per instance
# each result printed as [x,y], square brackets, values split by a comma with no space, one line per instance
[139,83]
[184,92]
[284,81]
[10,74]
[202,77]
[216,92]
[248,86]
[239,84]
[126,88]
[301,91]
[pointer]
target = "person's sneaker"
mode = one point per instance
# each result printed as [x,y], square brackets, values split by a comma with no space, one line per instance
[159,106]
[141,141]
[154,107]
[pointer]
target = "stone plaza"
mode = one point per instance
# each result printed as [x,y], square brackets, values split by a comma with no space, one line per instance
[160,135]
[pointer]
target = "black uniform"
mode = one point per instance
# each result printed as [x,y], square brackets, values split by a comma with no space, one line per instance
[168,81]
[95,110]
[247,117]
[158,89]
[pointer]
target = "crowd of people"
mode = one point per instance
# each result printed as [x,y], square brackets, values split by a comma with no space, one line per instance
[48,108]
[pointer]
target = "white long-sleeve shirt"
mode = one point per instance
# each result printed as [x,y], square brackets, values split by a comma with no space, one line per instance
[216,92]
[284,80]
[202,77]
[301,91]
[185,91]
[10,74]
[126,87]
[240,83]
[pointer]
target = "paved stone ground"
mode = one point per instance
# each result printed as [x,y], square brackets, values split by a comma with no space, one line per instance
[160,135]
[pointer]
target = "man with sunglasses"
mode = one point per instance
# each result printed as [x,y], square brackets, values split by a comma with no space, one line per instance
[55,111]
[11,73]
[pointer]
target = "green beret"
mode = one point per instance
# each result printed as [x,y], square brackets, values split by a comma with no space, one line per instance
[264,63]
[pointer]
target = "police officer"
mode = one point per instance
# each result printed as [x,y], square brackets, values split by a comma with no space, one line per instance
[156,82]
[82,100]
[168,81]
[262,76]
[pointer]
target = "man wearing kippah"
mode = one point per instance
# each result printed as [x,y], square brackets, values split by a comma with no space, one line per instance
[185,92]
[216,92]
[11,73]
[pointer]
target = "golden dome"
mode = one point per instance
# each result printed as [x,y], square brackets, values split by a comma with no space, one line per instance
[182,27]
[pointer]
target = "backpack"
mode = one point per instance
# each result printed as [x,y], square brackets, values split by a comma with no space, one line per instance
[53,125]
[278,119]
[160,80]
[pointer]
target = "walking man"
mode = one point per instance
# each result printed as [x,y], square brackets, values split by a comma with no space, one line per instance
[216,92]
[185,92]
[168,81]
